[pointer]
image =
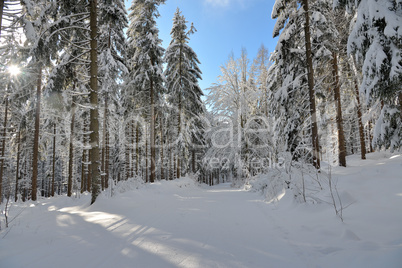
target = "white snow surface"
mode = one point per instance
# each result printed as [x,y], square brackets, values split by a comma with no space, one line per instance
[182,224]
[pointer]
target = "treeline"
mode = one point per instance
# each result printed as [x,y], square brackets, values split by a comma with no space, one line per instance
[331,88]
[94,105]
[337,75]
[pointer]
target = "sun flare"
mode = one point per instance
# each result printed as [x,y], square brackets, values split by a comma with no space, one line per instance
[14,70]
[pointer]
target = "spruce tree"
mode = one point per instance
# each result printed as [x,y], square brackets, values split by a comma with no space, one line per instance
[182,74]
[375,42]
[146,74]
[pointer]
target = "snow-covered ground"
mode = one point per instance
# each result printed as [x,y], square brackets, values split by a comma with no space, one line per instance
[182,224]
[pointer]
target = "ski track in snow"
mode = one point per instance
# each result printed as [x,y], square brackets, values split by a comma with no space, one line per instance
[178,224]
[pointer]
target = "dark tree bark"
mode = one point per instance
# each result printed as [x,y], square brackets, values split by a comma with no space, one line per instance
[71,153]
[146,161]
[17,172]
[339,118]
[107,161]
[400,104]
[370,137]
[310,78]
[127,154]
[83,179]
[193,160]
[161,150]
[1,14]
[132,149]
[94,113]
[54,159]
[178,164]
[137,149]
[152,134]
[3,148]
[103,156]
[36,136]
[360,122]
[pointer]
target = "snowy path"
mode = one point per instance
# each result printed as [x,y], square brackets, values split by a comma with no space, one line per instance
[195,227]
[178,224]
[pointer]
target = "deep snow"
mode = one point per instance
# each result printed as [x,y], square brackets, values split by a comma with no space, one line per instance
[182,224]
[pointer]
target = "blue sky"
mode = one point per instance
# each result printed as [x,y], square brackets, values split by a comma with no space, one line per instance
[222,26]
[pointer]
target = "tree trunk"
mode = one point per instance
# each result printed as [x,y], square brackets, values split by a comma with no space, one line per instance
[5,117]
[3,148]
[359,118]
[88,171]
[127,154]
[370,137]
[146,160]
[178,164]
[107,160]
[132,149]
[17,173]
[161,146]
[400,104]
[171,164]
[54,159]
[94,117]
[137,149]
[1,14]
[36,136]
[152,134]
[193,160]
[104,178]
[71,153]
[83,180]
[339,118]
[310,78]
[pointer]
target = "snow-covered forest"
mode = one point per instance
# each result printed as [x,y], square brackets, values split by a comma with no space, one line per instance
[91,102]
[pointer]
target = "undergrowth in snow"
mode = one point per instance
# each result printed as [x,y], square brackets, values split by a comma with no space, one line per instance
[181,223]
[304,183]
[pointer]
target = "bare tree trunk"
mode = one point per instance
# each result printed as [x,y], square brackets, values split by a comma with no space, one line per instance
[339,118]
[1,14]
[361,128]
[71,153]
[54,159]
[310,78]
[137,149]
[5,117]
[161,146]
[171,164]
[25,192]
[36,135]
[127,154]
[94,115]
[152,134]
[3,148]
[17,173]
[104,149]
[83,180]
[132,149]
[193,161]
[107,160]
[146,160]
[370,137]
[400,104]
[178,164]
[88,171]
